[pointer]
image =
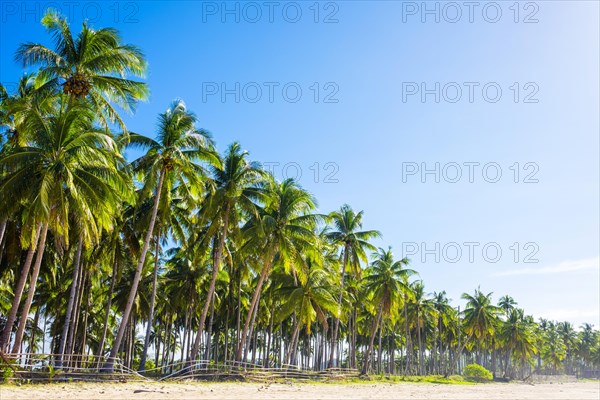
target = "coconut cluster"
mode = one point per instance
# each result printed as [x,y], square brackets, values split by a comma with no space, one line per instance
[77,85]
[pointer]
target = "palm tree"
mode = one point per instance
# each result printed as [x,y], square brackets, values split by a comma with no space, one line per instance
[93,65]
[588,339]
[517,335]
[280,231]
[170,160]
[445,314]
[354,244]
[172,218]
[14,107]
[480,318]
[235,190]
[506,304]
[385,284]
[423,313]
[569,338]
[553,350]
[67,167]
[310,298]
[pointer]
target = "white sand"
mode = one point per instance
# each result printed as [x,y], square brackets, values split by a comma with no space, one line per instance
[239,391]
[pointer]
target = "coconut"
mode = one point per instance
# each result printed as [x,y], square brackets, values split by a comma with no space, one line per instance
[77,85]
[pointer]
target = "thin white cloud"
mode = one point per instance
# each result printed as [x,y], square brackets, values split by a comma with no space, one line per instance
[565,266]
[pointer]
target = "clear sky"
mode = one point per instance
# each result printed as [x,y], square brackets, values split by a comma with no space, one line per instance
[386,93]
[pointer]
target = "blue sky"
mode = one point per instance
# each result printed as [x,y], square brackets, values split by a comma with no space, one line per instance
[363,123]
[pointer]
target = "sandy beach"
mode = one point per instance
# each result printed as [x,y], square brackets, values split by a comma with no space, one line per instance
[180,391]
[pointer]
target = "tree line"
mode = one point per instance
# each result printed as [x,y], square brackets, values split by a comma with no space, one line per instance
[191,254]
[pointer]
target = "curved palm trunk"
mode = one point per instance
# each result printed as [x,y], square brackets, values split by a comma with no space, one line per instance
[108,367]
[65,330]
[255,297]
[251,332]
[290,358]
[12,315]
[367,359]
[211,288]
[151,313]
[31,292]
[336,324]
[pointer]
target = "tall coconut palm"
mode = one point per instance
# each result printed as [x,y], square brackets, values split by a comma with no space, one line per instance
[517,335]
[235,190]
[93,65]
[173,219]
[569,338]
[385,284]
[553,350]
[354,244]
[68,167]
[423,313]
[445,313]
[173,159]
[310,298]
[480,319]
[281,230]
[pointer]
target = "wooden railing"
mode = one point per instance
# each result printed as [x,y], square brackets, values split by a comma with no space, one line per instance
[54,367]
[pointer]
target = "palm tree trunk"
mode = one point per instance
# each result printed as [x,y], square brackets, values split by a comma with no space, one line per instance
[251,330]
[392,350]
[31,292]
[407,338]
[152,302]
[211,288]
[238,317]
[85,325]
[336,324]
[210,330]
[296,336]
[184,336]
[71,302]
[2,230]
[36,319]
[75,319]
[107,312]
[268,350]
[374,325]
[242,344]
[354,335]
[420,344]
[12,315]
[227,318]
[379,349]
[136,279]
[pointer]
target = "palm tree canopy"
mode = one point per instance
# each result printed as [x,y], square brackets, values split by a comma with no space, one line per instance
[480,315]
[68,167]
[178,151]
[92,65]
[347,234]
[386,280]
